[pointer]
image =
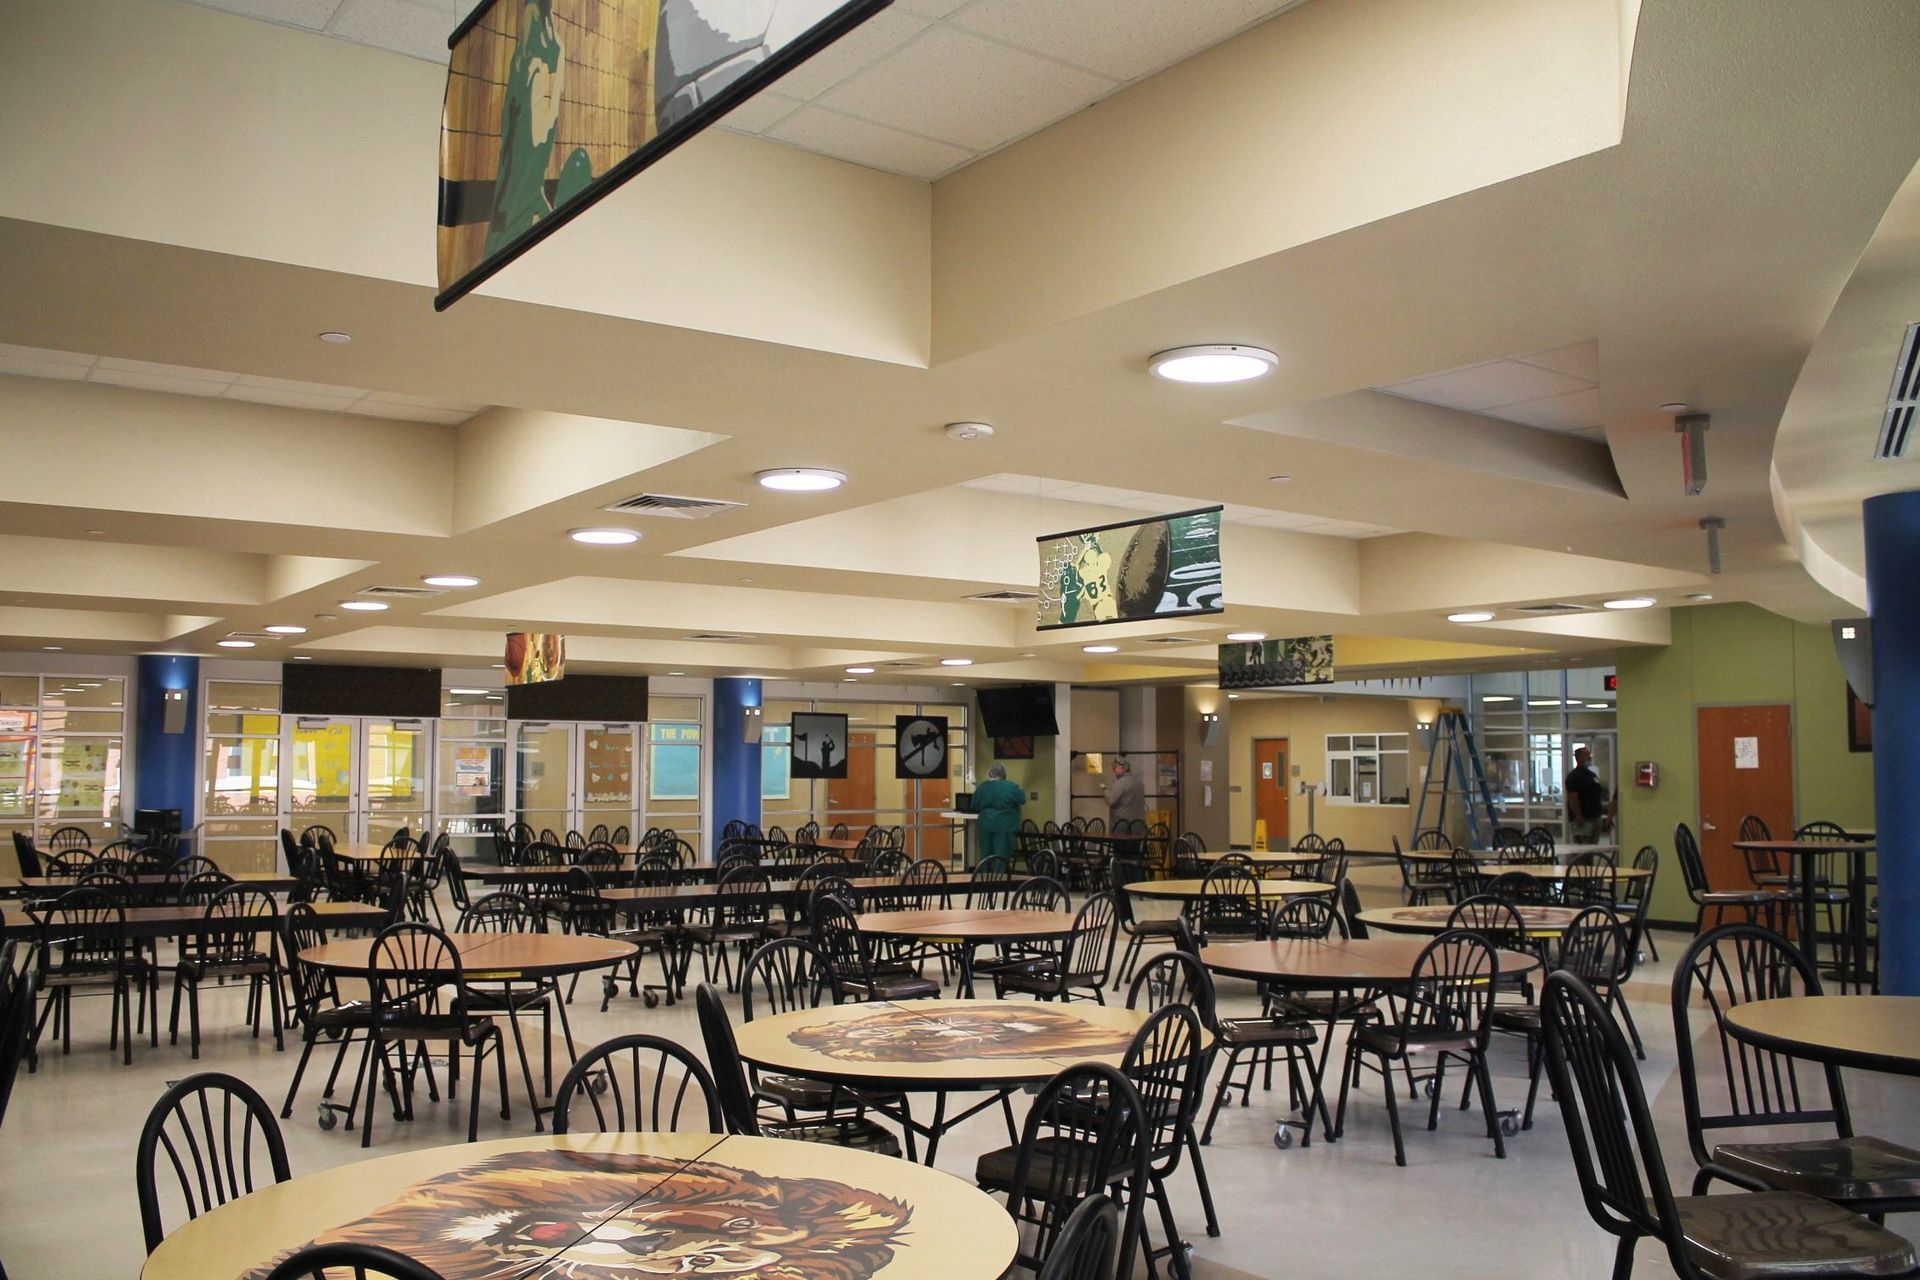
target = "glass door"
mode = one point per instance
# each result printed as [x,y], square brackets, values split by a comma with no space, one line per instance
[543,777]
[397,794]
[323,786]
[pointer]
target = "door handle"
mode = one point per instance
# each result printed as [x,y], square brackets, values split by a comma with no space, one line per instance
[1707,826]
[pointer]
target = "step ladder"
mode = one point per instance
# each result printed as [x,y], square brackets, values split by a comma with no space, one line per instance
[1454,768]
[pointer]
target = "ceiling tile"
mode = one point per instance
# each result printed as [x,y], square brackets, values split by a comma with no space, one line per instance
[114,364]
[312,14]
[307,388]
[963,90]
[1580,360]
[28,367]
[1480,387]
[45,355]
[760,111]
[403,26]
[158,382]
[863,142]
[290,399]
[1124,39]
[866,44]
[1574,411]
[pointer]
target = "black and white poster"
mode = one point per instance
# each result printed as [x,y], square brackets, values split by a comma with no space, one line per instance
[819,745]
[919,746]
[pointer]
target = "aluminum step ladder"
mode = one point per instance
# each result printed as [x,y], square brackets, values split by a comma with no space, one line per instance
[1454,768]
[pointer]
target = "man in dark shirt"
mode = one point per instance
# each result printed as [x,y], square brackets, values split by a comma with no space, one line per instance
[1586,799]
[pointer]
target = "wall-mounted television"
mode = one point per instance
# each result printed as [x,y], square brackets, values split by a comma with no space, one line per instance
[399,693]
[1018,711]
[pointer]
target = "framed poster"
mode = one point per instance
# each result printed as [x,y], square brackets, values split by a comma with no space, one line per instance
[1164,567]
[819,746]
[919,746]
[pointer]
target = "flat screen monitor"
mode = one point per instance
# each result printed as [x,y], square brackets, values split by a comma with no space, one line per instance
[1018,711]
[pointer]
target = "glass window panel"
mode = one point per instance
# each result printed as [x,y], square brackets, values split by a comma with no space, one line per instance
[81,721]
[242,695]
[79,778]
[1394,778]
[1340,742]
[84,691]
[673,771]
[472,782]
[19,691]
[1340,777]
[16,778]
[673,709]
[776,761]
[1393,742]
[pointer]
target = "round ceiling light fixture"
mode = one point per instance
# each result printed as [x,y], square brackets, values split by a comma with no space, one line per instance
[1675,407]
[364,606]
[859,671]
[236,644]
[1099,648]
[969,430]
[301,657]
[450,580]
[286,629]
[1630,602]
[336,337]
[604,537]
[1472,615]
[50,648]
[1214,363]
[800,479]
[1246,637]
[956,662]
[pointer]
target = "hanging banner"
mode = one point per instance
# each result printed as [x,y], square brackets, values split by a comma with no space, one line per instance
[552,104]
[1165,567]
[535,657]
[1267,664]
[919,747]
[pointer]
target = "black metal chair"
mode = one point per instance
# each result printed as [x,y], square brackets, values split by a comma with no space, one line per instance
[82,944]
[360,1260]
[1076,965]
[1593,948]
[1088,1245]
[1168,1068]
[1229,906]
[638,1084]
[227,949]
[1137,931]
[741,921]
[507,912]
[850,958]
[1421,879]
[17,994]
[319,1011]
[1769,1235]
[1739,1086]
[411,968]
[218,1136]
[1760,905]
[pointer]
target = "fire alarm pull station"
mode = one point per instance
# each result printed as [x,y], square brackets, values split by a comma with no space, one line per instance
[1646,774]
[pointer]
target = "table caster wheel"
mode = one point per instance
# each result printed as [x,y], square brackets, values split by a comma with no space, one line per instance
[609,988]
[1509,1125]
[597,1084]
[1282,1137]
[327,1118]
[1433,1088]
[651,999]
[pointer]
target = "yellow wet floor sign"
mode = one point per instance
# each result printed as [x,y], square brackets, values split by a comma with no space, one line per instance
[1259,835]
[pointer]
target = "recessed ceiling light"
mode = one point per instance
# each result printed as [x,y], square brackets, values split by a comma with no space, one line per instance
[1675,407]
[336,337]
[474,693]
[1700,595]
[848,680]
[859,671]
[364,606]
[450,580]
[50,648]
[604,537]
[1630,602]
[1543,702]
[287,629]
[236,644]
[1214,363]
[1232,696]
[1029,655]
[1279,479]
[326,617]
[1246,637]
[96,533]
[959,684]
[1473,615]
[301,657]
[1099,648]
[800,479]
[1496,697]
[956,662]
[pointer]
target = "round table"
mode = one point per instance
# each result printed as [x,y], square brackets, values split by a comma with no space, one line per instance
[548,1208]
[1561,871]
[1543,922]
[1872,1033]
[969,927]
[1186,889]
[1266,857]
[491,957]
[939,1047]
[1809,851]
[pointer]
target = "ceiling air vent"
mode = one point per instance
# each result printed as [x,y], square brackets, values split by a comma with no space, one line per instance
[1551,608]
[672,507]
[717,637]
[1006,597]
[407,593]
[1172,640]
[1903,399]
[252,635]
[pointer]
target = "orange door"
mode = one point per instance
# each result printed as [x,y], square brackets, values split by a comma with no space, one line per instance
[934,839]
[1270,789]
[1746,766]
[850,799]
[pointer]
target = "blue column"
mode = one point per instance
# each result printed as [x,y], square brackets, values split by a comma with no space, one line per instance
[164,764]
[1893,590]
[736,764]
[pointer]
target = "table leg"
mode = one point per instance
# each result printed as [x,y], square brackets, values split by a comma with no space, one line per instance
[1809,940]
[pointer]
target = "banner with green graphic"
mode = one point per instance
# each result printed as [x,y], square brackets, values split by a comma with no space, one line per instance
[1165,567]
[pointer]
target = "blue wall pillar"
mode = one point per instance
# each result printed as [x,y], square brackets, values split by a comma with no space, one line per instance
[736,764]
[1893,589]
[164,763]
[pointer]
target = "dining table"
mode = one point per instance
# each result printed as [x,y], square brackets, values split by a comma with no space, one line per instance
[580,1206]
[1540,922]
[1866,1032]
[967,928]
[1806,883]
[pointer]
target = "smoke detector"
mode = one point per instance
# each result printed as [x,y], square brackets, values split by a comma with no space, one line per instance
[969,430]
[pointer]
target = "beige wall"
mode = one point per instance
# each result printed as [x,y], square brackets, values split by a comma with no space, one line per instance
[1305,721]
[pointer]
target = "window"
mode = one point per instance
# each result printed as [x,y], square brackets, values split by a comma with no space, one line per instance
[871,793]
[61,739]
[241,823]
[673,771]
[1368,768]
[776,761]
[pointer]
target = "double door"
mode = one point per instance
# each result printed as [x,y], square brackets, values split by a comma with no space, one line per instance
[363,778]
[574,777]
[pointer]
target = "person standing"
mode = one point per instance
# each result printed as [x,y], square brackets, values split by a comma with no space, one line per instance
[1587,805]
[998,802]
[1126,802]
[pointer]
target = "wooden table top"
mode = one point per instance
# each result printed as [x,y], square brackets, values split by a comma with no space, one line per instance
[1862,842]
[181,921]
[969,923]
[271,881]
[483,955]
[1191,888]
[1545,921]
[841,844]
[1267,857]
[549,1208]
[1561,871]
[939,1044]
[1872,1033]
[1335,963]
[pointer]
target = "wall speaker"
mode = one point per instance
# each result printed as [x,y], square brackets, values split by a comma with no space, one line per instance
[750,725]
[1213,731]
[175,718]
[1853,643]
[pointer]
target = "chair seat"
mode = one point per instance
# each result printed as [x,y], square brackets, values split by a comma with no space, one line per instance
[1385,1040]
[856,1132]
[234,967]
[1738,897]
[1843,1169]
[1242,1033]
[894,986]
[1782,1235]
[407,1025]
[994,1170]
[710,934]
[1522,1018]
[803,1094]
[1156,928]
[352,1015]
[1321,1008]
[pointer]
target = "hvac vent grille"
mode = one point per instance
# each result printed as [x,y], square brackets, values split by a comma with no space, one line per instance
[1550,608]
[1006,597]
[717,637]
[1173,640]
[409,593]
[251,635]
[1903,400]
[672,507]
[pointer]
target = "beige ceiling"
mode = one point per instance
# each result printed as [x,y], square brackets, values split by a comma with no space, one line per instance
[1484,203]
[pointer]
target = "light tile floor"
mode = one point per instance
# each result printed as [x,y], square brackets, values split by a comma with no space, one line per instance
[67,1204]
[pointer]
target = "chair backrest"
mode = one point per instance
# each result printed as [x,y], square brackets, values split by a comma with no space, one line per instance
[1508,839]
[1821,829]
[1739,1085]
[1495,918]
[1089,950]
[1519,887]
[743,897]
[81,929]
[219,1139]
[1431,841]
[311,986]
[1350,908]
[28,855]
[1312,842]
[409,967]
[16,1024]
[1692,869]
[1088,1245]
[502,912]
[1595,948]
[991,877]
[889,862]
[1589,880]
[1452,988]
[831,884]
[637,1084]
[70,838]
[837,933]
[784,975]
[1754,827]
[1043,864]
[723,1060]
[1167,1067]
[1229,904]
[1174,977]
[1305,918]
[1041,893]
[1083,1133]
[239,903]
[359,1260]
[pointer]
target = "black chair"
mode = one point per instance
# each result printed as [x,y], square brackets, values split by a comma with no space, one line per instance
[1760,905]
[361,1261]
[740,922]
[1168,1068]
[1769,1235]
[1443,1012]
[82,945]
[638,1084]
[411,968]
[1636,899]
[1738,1086]
[506,912]
[1229,906]
[64,838]
[1077,965]
[736,1099]
[320,1011]
[17,992]
[229,948]
[1088,1246]
[1421,879]
[1084,1135]
[218,1136]
[850,958]
[1593,948]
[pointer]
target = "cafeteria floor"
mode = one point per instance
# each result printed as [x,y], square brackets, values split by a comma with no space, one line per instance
[67,1156]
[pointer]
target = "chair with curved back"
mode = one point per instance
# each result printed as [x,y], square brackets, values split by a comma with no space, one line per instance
[218,1137]
[1088,1245]
[64,838]
[18,990]
[1228,909]
[319,1011]
[992,877]
[411,969]
[1075,965]
[849,956]
[741,921]
[358,1259]
[638,1084]
[1137,930]
[1760,905]
[1765,867]
[227,949]
[81,945]
[1623,1173]
[1168,1066]
[1421,879]
[1594,948]
[508,912]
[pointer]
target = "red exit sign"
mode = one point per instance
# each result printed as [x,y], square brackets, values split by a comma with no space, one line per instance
[1613,684]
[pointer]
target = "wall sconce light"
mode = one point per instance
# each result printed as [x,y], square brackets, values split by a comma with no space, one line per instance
[750,725]
[1211,729]
[1423,724]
